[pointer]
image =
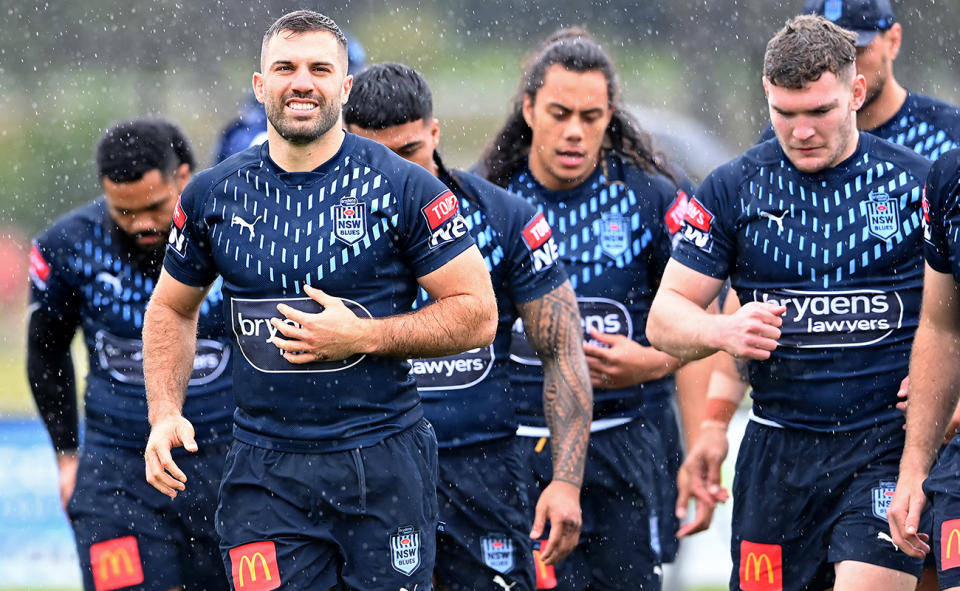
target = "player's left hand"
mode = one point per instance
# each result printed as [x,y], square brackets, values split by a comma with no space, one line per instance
[331,335]
[953,427]
[623,362]
[559,504]
[161,471]
[903,515]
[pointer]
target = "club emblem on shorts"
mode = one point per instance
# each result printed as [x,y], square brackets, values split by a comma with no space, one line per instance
[882,214]
[497,552]
[882,496]
[405,549]
[614,234]
[350,220]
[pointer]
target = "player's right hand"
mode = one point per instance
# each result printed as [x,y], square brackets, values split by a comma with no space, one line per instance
[699,477]
[752,331]
[162,472]
[903,515]
[67,465]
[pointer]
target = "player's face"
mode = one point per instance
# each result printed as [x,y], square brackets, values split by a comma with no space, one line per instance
[414,140]
[816,124]
[303,84]
[875,61]
[143,209]
[569,117]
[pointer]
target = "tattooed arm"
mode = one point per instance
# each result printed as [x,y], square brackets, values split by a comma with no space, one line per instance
[552,324]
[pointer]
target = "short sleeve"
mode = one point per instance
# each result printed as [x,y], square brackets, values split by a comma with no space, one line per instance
[433,230]
[53,288]
[939,195]
[535,269]
[707,242]
[188,258]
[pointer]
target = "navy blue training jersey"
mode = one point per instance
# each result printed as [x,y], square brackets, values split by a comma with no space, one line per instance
[82,271]
[467,396]
[841,250]
[613,240]
[361,227]
[941,215]
[923,124]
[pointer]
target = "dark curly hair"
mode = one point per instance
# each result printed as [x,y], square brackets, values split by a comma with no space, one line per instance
[805,48]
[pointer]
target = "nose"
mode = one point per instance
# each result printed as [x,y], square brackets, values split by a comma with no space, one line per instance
[803,131]
[573,132]
[302,80]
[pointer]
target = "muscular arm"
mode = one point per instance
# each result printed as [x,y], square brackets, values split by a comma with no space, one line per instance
[680,325]
[552,324]
[169,345]
[463,316]
[934,388]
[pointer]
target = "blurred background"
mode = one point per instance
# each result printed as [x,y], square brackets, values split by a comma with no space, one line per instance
[690,71]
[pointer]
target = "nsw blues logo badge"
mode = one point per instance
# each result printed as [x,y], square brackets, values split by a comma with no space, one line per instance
[882,497]
[832,9]
[405,549]
[882,214]
[350,220]
[614,234]
[497,551]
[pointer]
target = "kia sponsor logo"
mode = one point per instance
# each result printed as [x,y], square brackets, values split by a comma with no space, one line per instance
[599,314]
[255,333]
[453,372]
[854,318]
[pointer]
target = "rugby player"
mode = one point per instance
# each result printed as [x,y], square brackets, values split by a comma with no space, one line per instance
[934,390]
[95,269]
[573,152]
[322,240]
[484,505]
[818,231]
[924,124]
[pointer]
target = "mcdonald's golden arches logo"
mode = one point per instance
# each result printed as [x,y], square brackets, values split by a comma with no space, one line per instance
[254,567]
[116,563]
[761,567]
[950,544]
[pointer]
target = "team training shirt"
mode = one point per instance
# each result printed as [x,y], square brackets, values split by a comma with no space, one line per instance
[925,125]
[361,227]
[467,396]
[613,241]
[941,215]
[82,272]
[841,250]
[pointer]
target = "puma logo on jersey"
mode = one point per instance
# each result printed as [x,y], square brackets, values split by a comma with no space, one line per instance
[111,280]
[499,580]
[776,219]
[239,221]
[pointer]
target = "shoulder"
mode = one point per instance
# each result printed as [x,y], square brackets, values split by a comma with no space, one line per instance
[897,155]
[376,156]
[492,198]
[745,167]
[944,175]
[935,111]
[77,223]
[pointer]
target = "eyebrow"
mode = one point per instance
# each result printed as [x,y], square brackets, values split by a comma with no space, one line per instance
[822,108]
[569,110]
[290,63]
[410,145]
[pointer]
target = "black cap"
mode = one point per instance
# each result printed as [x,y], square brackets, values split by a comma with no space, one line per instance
[866,18]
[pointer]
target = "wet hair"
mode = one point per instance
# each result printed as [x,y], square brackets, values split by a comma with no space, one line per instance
[577,51]
[388,94]
[130,149]
[805,48]
[303,21]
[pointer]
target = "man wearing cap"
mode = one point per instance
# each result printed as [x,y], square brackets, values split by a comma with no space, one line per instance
[925,125]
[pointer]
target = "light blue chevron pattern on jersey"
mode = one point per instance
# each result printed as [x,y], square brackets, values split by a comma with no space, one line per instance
[921,137]
[847,244]
[110,283]
[577,228]
[307,242]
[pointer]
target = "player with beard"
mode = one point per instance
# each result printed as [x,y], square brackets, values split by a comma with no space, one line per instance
[818,231]
[485,542]
[575,154]
[95,269]
[924,124]
[323,240]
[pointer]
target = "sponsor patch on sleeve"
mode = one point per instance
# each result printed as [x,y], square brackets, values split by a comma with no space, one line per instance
[116,563]
[39,268]
[178,238]
[925,218]
[676,212]
[254,567]
[538,236]
[698,216]
[443,219]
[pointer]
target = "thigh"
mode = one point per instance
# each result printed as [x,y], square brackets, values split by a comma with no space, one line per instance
[944,493]
[123,539]
[485,519]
